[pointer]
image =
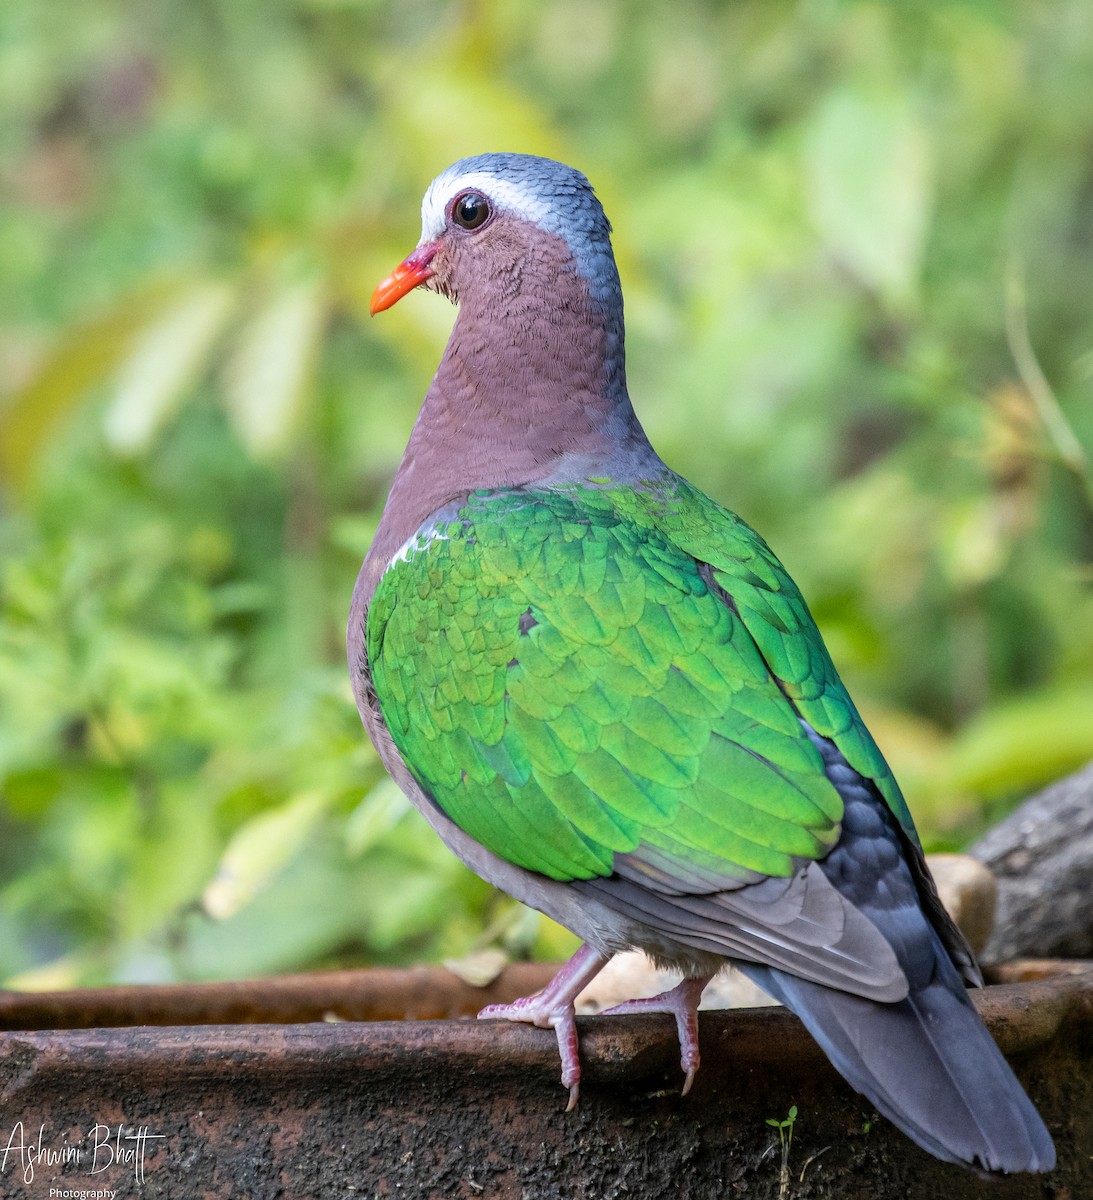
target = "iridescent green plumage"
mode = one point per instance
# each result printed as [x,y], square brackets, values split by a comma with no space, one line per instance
[589,671]
[608,698]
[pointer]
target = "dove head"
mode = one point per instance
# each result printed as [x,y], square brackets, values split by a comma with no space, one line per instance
[499,226]
[531,388]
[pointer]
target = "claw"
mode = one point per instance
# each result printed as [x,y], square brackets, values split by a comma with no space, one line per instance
[552,1008]
[682,1003]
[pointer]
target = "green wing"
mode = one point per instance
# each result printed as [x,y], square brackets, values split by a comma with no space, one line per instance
[777,617]
[584,676]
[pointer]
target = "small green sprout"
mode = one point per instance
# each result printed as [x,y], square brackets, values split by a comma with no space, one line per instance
[785,1140]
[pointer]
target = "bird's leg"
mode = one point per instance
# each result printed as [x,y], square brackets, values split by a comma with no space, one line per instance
[552,1008]
[682,1003]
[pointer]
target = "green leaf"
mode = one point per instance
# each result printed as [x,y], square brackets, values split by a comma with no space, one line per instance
[164,359]
[83,357]
[265,381]
[376,815]
[971,542]
[258,850]
[1025,743]
[869,186]
[450,111]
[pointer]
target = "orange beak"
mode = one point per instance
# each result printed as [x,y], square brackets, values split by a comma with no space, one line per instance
[404,278]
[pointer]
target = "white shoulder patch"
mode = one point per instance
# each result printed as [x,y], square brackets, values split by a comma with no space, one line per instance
[416,543]
[505,194]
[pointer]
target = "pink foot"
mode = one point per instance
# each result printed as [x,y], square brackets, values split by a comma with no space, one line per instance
[682,1003]
[552,1008]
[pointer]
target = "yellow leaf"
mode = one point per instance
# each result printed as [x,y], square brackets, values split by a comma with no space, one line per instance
[457,108]
[59,975]
[81,359]
[479,968]
[971,543]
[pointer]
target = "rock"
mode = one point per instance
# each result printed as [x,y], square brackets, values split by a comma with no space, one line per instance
[1042,858]
[968,890]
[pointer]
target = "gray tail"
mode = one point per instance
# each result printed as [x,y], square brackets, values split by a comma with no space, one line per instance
[928,1064]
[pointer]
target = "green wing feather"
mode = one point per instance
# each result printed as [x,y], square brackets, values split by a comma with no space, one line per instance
[579,673]
[776,616]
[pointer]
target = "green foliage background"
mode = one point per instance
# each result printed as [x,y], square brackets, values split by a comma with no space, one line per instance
[856,243]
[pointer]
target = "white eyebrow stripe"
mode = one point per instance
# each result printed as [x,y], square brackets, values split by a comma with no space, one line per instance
[504,193]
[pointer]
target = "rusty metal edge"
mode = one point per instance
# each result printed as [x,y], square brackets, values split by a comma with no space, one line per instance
[1021,1016]
[373,994]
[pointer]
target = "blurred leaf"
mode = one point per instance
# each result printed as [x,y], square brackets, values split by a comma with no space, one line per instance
[459,107]
[479,968]
[163,360]
[82,358]
[407,904]
[869,177]
[265,378]
[973,549]
[376,815]
[306,911]
[258,850]
[57,976]
[555,943]
[1059,433]
[172,620]
[519,931]
[1022,744]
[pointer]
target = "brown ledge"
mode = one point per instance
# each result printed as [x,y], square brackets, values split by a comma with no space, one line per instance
[273,1100]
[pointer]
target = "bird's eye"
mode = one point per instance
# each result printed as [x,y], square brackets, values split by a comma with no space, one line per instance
[471,210]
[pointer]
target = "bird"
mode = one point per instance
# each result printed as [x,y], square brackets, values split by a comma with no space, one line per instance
[607,696]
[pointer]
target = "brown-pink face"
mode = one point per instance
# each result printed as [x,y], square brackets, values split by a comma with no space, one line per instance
[468,212]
